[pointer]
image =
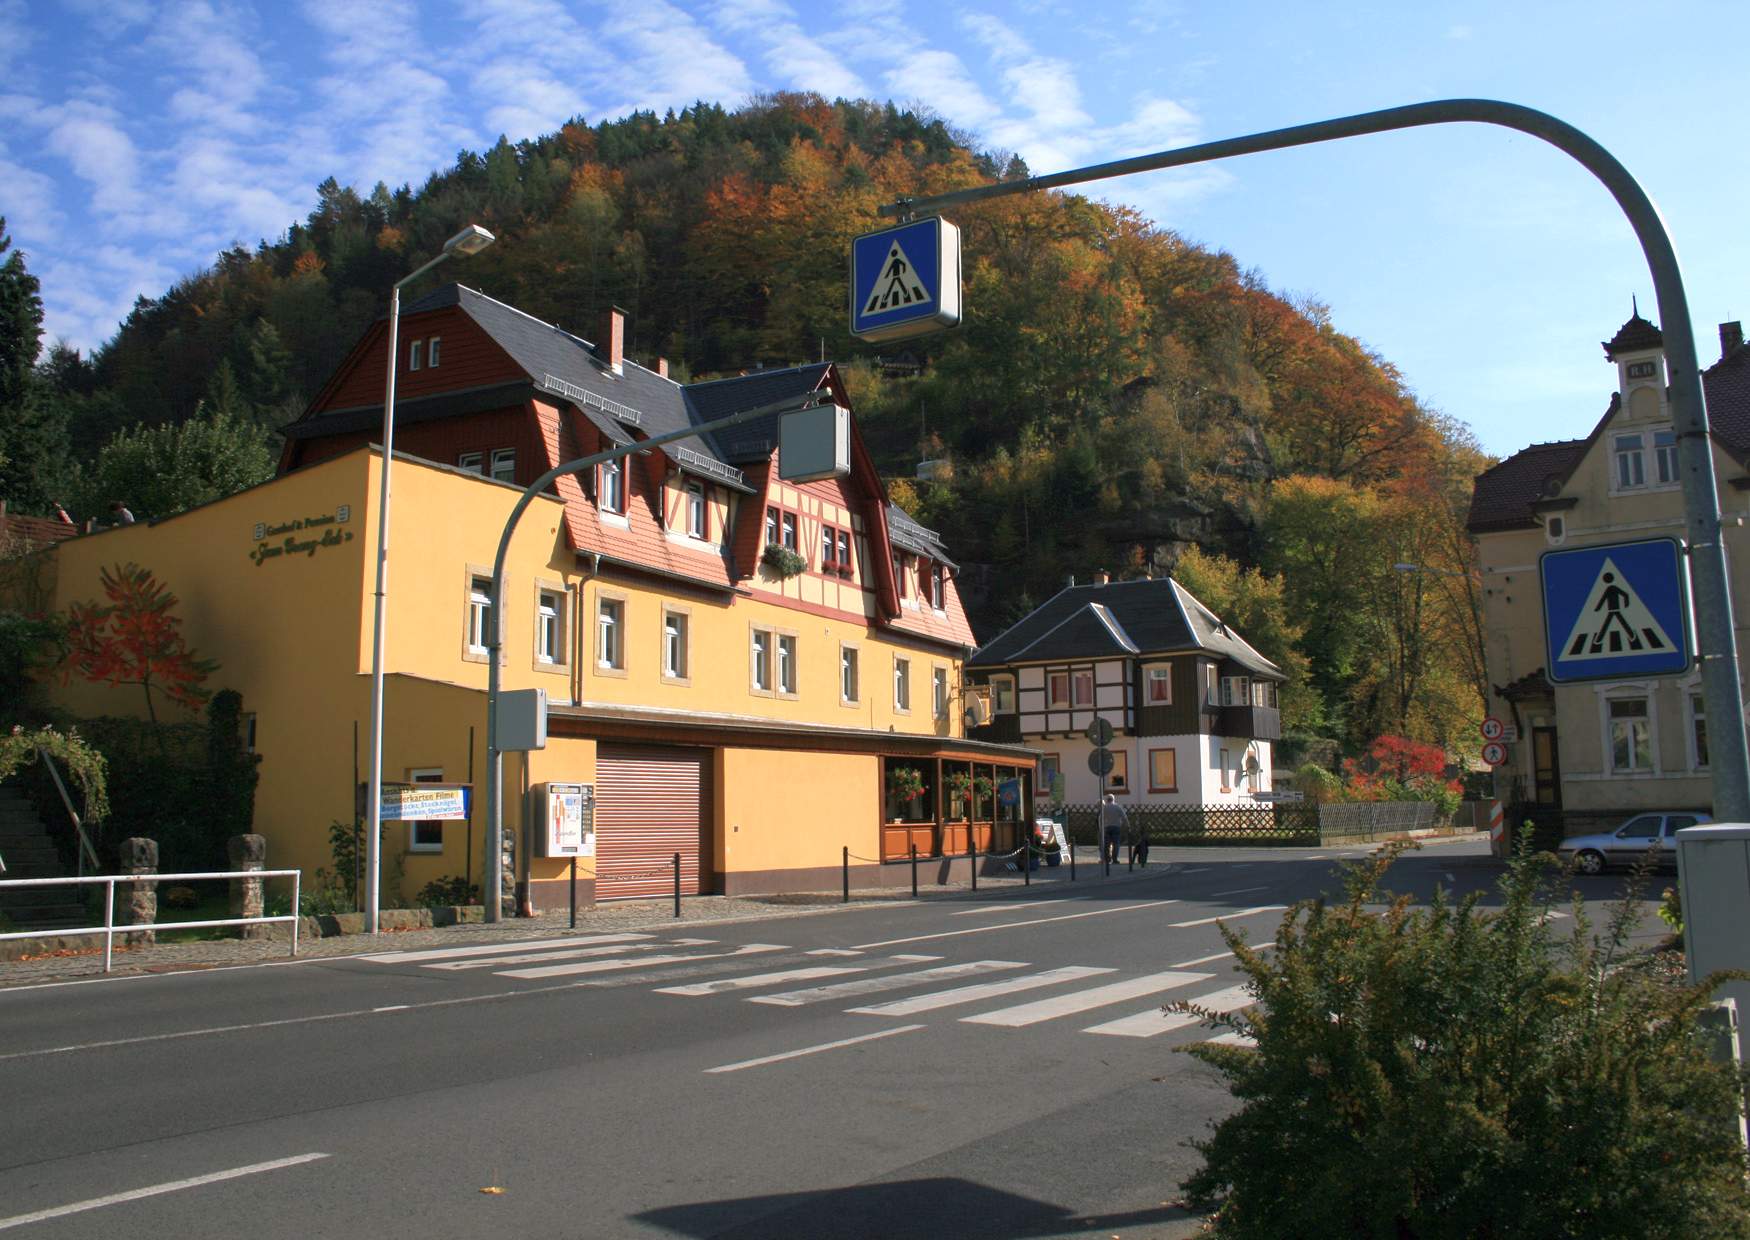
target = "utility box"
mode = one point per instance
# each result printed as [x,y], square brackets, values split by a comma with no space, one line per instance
[1713,873]
[522,720]
[563,817]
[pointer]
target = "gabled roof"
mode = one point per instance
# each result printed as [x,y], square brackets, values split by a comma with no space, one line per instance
[751,441]
[908,535]
[1121,618]
[1634,336]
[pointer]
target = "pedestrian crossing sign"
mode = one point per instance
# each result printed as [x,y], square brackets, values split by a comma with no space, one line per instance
[1616,611]
[905,281]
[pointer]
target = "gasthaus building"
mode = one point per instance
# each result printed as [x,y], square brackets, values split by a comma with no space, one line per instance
[1589,752]
[754,711]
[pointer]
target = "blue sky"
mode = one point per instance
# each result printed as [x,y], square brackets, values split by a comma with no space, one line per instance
[140,137]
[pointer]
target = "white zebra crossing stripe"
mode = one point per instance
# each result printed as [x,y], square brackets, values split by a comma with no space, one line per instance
[444,953]
[1155,1022]
[1235,1038]
[1242,912]
[635,962]
[570,953]
[980,991]
[1084,1000]
[756,980]
[892,981]
[832,951]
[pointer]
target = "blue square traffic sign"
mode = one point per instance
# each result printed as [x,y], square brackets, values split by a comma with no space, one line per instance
[905,281]
[1617,610]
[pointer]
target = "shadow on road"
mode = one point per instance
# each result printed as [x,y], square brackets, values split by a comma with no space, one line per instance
[925,1209]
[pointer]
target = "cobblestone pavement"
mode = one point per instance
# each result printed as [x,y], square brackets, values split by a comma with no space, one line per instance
[611,917]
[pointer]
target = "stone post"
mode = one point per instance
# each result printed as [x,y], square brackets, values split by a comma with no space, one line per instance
[138,902]
[248,853]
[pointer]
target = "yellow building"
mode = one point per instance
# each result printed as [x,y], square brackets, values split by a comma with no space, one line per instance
[724,705]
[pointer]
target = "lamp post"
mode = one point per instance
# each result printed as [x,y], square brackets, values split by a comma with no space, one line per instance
[471,240]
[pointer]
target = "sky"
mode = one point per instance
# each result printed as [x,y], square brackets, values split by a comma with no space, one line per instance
[138,138]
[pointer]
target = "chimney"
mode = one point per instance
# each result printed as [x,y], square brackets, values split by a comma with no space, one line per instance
[1731,338]
[662,367]
[1102,578]
[1069,582]
[610,345]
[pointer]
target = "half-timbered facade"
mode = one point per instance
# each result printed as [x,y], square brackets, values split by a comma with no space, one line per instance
[1192,706]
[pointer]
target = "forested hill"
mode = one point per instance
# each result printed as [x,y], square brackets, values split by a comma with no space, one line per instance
[1116,395]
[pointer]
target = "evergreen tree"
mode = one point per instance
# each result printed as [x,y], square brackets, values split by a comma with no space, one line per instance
[33,423]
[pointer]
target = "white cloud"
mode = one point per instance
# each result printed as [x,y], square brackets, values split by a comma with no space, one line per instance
[29,201]
[796,58]
[1459,33]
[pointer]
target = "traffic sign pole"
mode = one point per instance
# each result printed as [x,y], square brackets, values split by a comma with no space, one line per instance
[1716,627]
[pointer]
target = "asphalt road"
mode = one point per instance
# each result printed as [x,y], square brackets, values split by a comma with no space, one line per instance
[997,1066]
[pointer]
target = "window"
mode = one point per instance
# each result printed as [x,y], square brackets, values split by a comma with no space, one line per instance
[1209,678]
[845,552]
[1159,685]
[1698,731]
[760,661]
[1264,693]
[939,691]
[901,684]
[431,352]
[479,614]
[550,627]
[771,527]
[848,674]
[1002,695]
[674,645]
[610,644]
[1163,770]
[1631,470]
[413,353]
[1049,766]
[1057,689]
[1082,683]
[1223,765]
[938,587]
[1118,778]
[613,489]
[789,525]
[696,509]
[474,462]
[787,664]
[504,464]
[1235,691]
[899,576]
[1665,455]
[1631,735]
[426,836]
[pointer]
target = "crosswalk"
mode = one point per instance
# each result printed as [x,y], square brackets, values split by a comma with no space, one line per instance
[981,992]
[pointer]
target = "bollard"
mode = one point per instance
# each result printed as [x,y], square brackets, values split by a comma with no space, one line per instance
[846,866]
[139,856]
[1026,835]
[248,853]
[574,893]
[1130,864]
[677,885]
[972,858]
[914,871]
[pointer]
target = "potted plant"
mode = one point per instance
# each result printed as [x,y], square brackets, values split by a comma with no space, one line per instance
[782,561]
[960,785]
[905,783]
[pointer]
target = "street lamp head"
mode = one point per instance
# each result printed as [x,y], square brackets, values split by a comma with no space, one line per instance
[471,240]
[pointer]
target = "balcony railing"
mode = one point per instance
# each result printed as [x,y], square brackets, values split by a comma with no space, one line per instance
[1002,729]
[1259,723]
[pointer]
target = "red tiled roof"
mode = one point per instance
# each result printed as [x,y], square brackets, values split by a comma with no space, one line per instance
[33,531]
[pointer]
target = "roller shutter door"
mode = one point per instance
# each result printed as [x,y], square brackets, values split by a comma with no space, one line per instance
[650,805]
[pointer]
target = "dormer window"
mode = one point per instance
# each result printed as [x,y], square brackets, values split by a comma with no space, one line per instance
[613,492]
[938,587]
[1631,468]
[696,509]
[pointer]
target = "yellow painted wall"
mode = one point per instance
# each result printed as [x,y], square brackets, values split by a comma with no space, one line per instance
[784,809]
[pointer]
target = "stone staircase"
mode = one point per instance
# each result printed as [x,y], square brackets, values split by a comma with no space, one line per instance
[29,852]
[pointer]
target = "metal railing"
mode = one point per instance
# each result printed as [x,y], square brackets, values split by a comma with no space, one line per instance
[84,852]
[109,929]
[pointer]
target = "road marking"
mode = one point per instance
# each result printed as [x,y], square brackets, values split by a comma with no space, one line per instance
[1015,925]
[1238,891]
[487,949]
[1083,1000]
[891,981]
[1244,912]
[1202,869]
[832,951]
[758,979]
[983,990]
[393,1007]
[1186,964]
[155,1190]
[1155,1022]
[607,966]
[1017,906]
[814,1050]
[570,953]
[1314,857]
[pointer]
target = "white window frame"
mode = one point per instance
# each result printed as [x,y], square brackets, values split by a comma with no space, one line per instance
[939,690]
[413,353]
[1002,695]
[850,674]
[1052,699]
[676,645]
[610,635]
[1077,678]
[844,551]
[829,548]
[1157,787]
[938,587]
[611,494]
[479,636]
[550,626]
[425,775]
[901,685]
[1665,458]
[1622,455]
[1118,778]
[1607,729]
[760,659]
[431,352]
[787,675]
[1212,683]
[774,520]
[503,461]
[1236,690]
[789,527]
[473,462]
[1157,674]
[698,513]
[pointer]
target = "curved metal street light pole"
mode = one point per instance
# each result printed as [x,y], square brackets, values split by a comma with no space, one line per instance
[1715,625]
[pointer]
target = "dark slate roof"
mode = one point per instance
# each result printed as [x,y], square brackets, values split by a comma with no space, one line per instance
[1146,617]
[908,535]
[1633,336]
[751,441]
[1727,385]
[1502,495]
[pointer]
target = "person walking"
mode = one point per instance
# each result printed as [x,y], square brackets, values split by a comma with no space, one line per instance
[1112,823]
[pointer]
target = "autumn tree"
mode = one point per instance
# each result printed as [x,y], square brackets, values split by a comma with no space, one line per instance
[135,639]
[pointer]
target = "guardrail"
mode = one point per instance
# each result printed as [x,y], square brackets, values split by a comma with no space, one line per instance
[109,929]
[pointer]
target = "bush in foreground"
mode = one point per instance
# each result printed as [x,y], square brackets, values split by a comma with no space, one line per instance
[1453,1072]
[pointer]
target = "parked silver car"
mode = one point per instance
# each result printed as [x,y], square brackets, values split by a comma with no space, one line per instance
[1629,843]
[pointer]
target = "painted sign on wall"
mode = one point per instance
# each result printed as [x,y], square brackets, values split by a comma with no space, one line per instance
[300,536]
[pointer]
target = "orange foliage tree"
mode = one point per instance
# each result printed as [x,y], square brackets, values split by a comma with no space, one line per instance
[136,639]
